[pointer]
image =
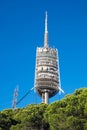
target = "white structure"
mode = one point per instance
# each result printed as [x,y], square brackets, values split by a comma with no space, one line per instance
[46,71]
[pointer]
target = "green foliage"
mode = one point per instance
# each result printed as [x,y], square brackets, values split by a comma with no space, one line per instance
[31,116]
[69,113]
[6,119]
[85,126]
[17,127]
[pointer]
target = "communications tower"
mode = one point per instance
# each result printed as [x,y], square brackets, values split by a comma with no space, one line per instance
[15,98]
[46,70]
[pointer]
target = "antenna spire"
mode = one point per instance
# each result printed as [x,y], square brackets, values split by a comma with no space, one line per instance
[46,32]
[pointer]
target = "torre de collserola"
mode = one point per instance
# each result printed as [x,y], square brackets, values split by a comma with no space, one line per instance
[47,69]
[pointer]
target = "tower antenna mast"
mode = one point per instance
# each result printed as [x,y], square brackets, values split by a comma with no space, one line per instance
[15,97]
[46,32]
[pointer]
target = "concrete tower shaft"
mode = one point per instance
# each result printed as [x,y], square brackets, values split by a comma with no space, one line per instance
[46,73]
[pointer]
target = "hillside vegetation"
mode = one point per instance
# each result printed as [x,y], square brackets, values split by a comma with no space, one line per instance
[70,113]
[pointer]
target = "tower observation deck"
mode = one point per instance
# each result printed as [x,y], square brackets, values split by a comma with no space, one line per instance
[46,71]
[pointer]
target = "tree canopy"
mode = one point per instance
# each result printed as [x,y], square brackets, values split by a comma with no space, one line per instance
[69,113]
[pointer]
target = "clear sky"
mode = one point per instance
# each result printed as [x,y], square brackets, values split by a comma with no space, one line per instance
[22,30]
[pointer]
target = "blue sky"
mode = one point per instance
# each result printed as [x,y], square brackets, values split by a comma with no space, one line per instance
[22,30]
